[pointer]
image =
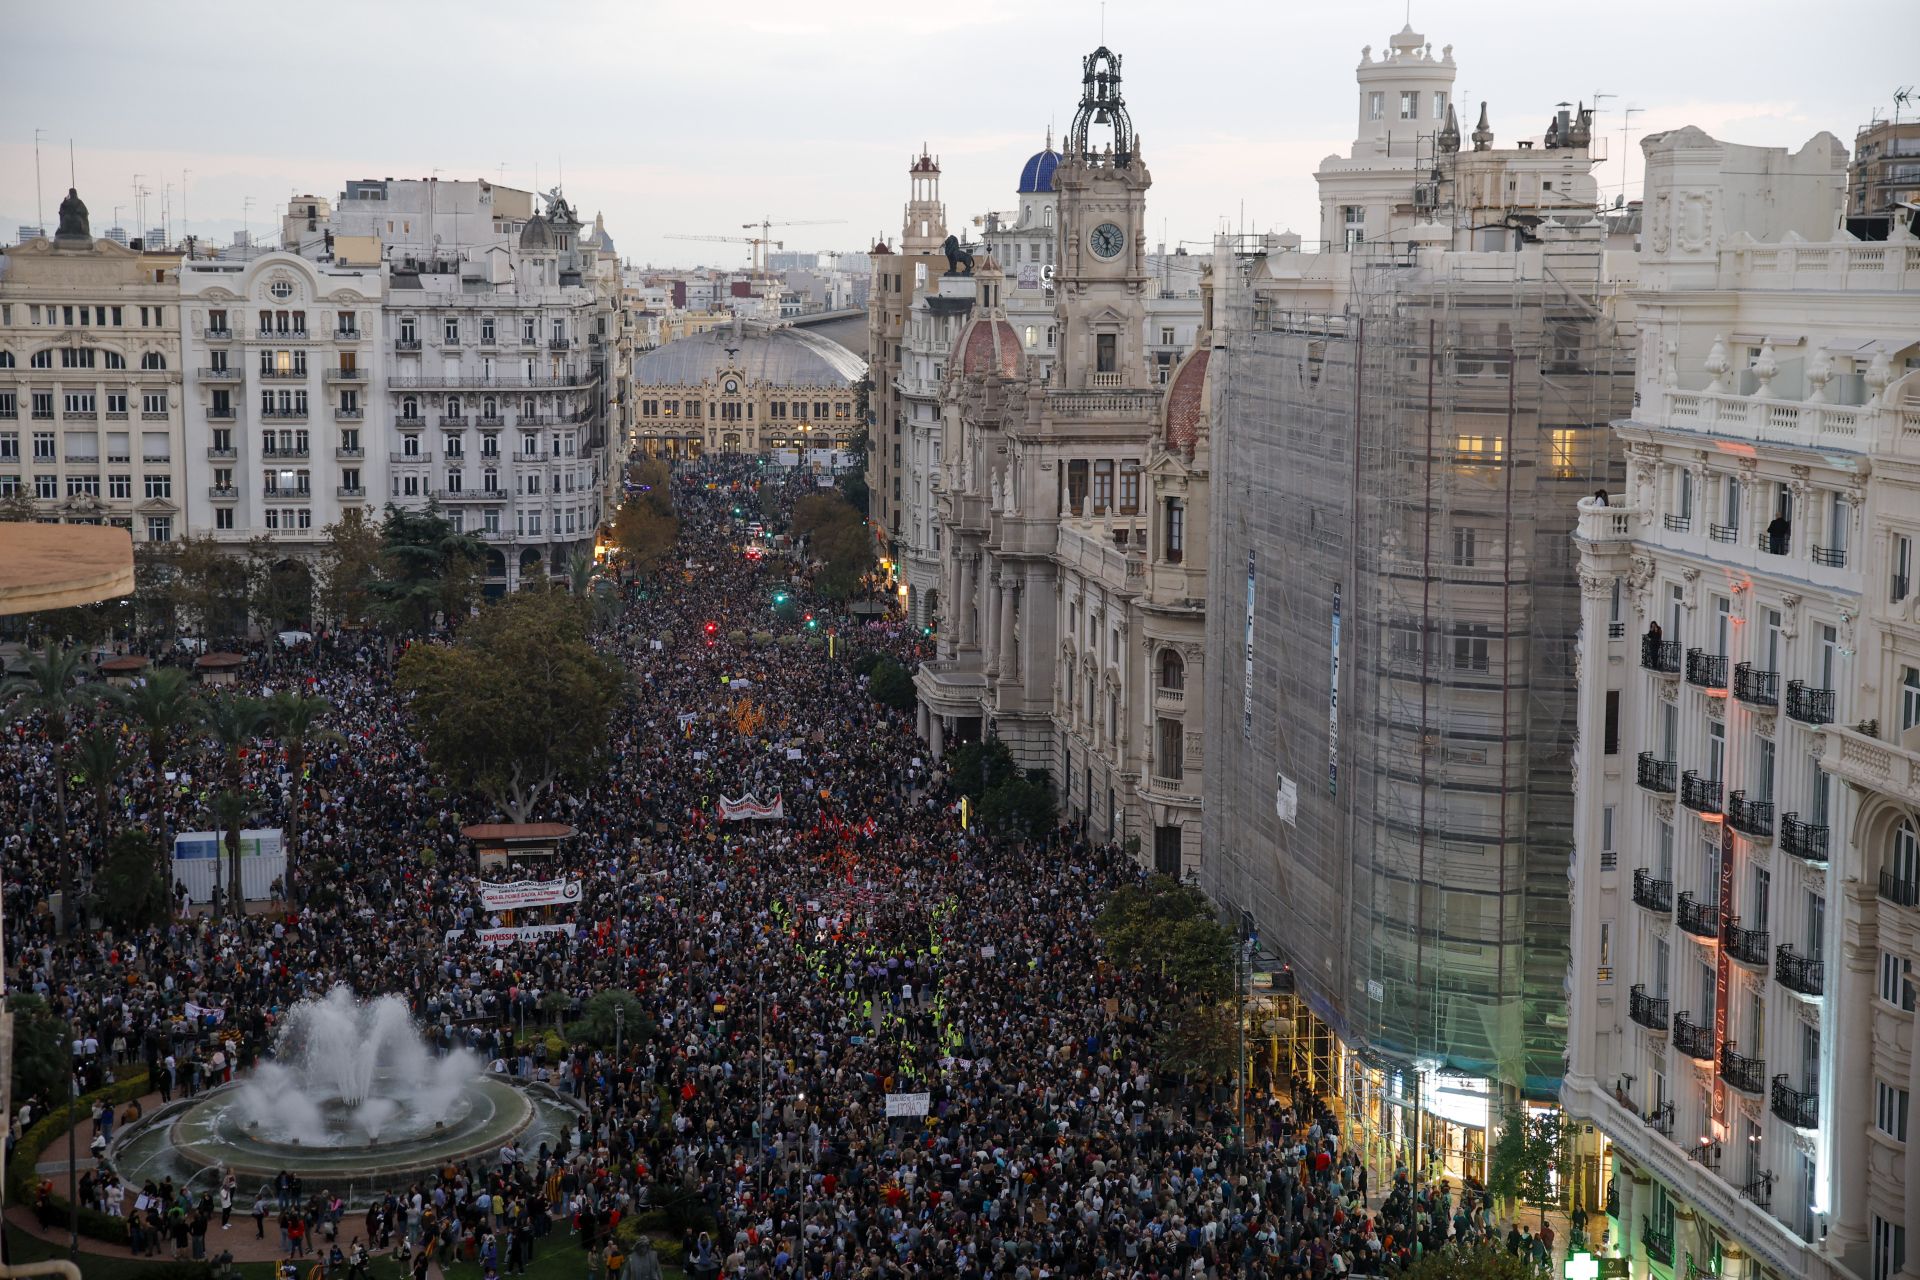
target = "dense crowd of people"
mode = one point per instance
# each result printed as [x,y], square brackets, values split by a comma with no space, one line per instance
[792,973]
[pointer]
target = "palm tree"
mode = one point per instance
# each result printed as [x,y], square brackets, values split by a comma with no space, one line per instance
[48,689]
[232,723]
[164,708]
[99,760]
[293,718]
[230,812]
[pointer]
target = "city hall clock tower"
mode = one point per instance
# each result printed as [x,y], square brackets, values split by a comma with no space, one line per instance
[1101,280]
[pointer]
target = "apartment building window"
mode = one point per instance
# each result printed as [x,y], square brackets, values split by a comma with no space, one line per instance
[1894,987]
[348,324]
[9,446]
[1889,1248]
[409,329]
[1106,352]
[43,404]
[160,486]
[43,446]
[153,362]
[159,528]
[1129,488]
[1440,104]
[453,480]
[1890,1110]
[83,486]
[46,487]
[154,402]
[223,517]
[1409,104]
[486,330]
[1102,486]
[490,481]
[1176,530]
[490,445]
[1471,644]
[1170,759]
[9,404]
[1909,698]
[450,329]
[527,334]
[1463,548]
[40,360]
[455,443]
[120,487]
[1613,723]
[114,360]
[1902,568]
[409,409]
[79,403]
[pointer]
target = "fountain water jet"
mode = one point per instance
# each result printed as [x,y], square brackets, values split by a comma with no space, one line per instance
[354,1101]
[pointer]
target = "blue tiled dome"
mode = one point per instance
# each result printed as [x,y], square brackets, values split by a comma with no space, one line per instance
[1037,173]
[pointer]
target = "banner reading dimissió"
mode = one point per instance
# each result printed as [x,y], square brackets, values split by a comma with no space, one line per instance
[748,807]
[529,893]
[504,937]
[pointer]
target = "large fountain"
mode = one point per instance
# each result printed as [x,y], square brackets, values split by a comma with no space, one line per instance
[354,1102]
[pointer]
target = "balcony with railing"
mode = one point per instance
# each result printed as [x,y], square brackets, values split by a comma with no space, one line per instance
[1748,1075]
[1694,1041]
[1756,688]
[220,375]
[1702,795]
[1748,946]
[1708,670]
[220,334]
[346,375]
[292,452]
[1804,840]
[1750,817]
[298,374]
[222,492]
[1701,919]
[1704,1152]
[300,491]
[1654,895]
[1661,656]
[286,413]
[560,344]
[343,414]
[1809,706]
[1655,774]
[283,335]
[1659,1243]
[1901,889]
[1799,1108]
[402,456]
[1759,1191]
[1660,1119]
[1804,974]
[1648,1011]
[406,344]
[1724,532]
[220,413]
[1831,557]
[343,453]
[349,491]
[217,454]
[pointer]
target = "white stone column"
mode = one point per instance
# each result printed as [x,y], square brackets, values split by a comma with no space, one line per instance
[920,718]
[965,601]
[1846,1117]
[990,621]
[1004,649]
[936,737]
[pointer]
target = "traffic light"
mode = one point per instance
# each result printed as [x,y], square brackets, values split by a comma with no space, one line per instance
[713,628]
[811,624]
[779,597]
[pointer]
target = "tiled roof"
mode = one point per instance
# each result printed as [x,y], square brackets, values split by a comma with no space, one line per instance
[1187,402]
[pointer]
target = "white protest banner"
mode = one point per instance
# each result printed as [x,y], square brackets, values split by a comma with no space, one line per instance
[908,1104]
[524,933]
[748,808]
[195,1012]
[529,893]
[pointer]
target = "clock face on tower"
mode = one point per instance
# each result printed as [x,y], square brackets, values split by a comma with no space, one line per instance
[1107,240]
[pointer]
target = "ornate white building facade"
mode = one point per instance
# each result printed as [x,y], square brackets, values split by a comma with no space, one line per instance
[90,381]
[1747,853]
[1068,576]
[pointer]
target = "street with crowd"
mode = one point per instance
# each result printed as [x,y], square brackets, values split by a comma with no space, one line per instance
[793,973]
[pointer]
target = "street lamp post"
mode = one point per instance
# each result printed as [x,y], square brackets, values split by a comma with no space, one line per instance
[73,1162]
[619,1032]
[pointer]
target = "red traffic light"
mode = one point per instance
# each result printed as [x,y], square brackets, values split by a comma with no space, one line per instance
[713,628]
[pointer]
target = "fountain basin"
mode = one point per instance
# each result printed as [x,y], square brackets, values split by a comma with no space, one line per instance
[198,1142]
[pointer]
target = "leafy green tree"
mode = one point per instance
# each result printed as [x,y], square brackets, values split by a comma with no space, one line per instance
[1531,1159]
[853,487]
[1198,1040]
[18,507]
[40,1042]
[232,809]
[349,566]
[232,722]
[519,703]
[206,586]
[133,892]
[294,719]
[1018,809]
[1169,928]
[427,567]
[100,760]
[891,686]
[50,689]
[977,767]
[163,708]
[645,534]
[599,1026]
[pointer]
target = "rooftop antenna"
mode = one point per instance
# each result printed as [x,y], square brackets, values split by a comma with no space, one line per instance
[1626,125]
[183,202]
[246,219]
[74,182]
[39,200]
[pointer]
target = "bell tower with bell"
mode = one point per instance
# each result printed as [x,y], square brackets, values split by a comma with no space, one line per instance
[1101,280]
[924,226]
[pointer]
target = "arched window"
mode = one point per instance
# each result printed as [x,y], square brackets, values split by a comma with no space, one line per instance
[1046,216]
[153,360]
[453,406]
[1900,878]
[42,359]
[1027,217]
[1173,671]
[6,359]
[114,360]
[490,408]
[409,407]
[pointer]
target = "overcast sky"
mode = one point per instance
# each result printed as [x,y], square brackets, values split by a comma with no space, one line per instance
[695,117]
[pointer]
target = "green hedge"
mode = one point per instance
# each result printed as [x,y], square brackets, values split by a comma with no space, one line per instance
[23,1182]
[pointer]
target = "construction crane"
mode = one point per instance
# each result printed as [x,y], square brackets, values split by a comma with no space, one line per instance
[756,241]
[766,226]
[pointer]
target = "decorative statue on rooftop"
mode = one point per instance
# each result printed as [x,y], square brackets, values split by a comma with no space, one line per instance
[957,256]
[73,219]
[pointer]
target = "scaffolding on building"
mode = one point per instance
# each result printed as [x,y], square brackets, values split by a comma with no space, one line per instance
[1400,482]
